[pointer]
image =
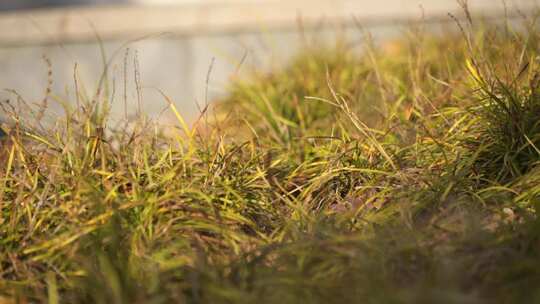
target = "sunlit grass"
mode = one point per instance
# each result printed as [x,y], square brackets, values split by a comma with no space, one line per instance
[405,172]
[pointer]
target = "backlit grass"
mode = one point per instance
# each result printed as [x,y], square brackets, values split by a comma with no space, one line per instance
[405,172]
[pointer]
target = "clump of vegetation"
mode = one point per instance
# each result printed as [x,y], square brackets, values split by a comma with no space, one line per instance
[510,134]
[405,172]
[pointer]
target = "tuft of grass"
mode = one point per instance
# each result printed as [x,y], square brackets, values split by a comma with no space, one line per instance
[510,129]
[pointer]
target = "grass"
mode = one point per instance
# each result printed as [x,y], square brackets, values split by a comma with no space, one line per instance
[406,172]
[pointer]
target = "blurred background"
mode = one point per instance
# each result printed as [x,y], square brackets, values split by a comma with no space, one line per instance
[30,4]
[189,49]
